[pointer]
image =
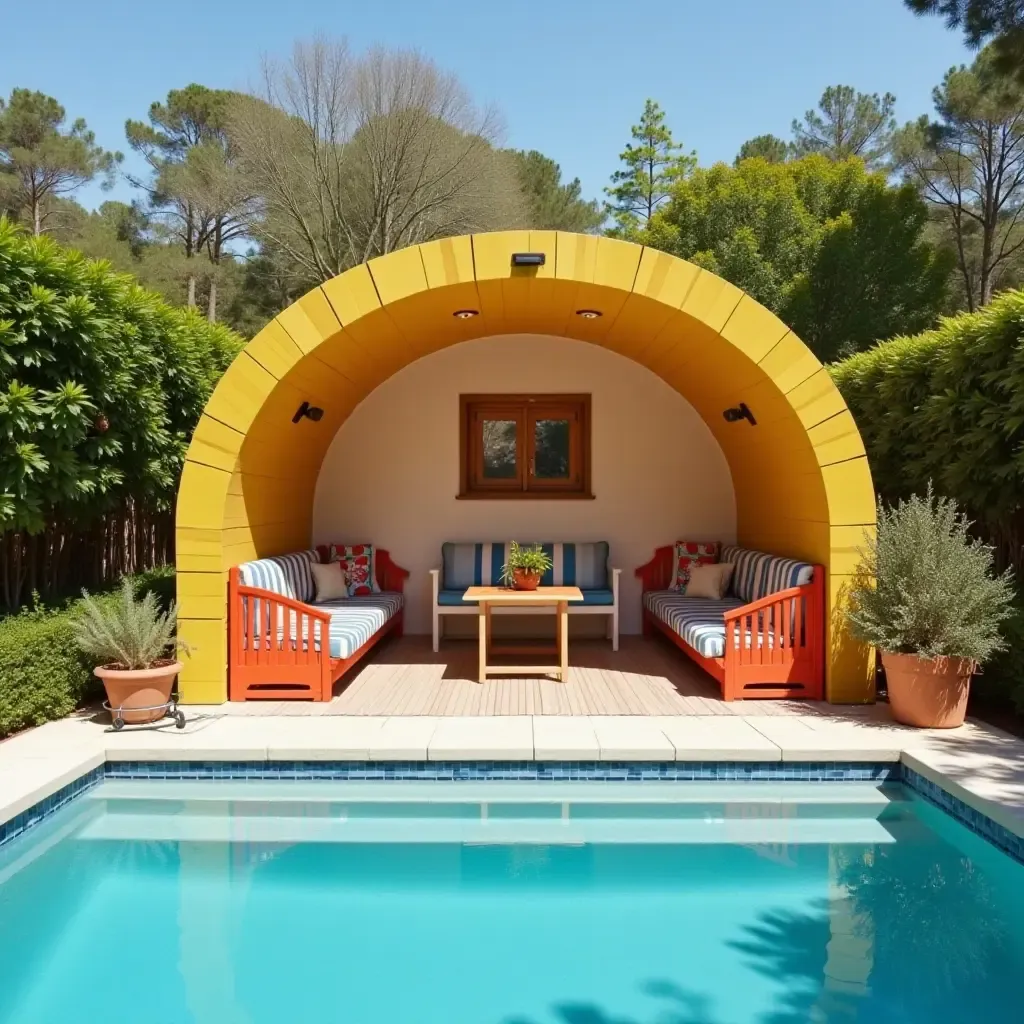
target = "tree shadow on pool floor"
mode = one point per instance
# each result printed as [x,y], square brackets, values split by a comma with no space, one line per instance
[787,946]
[684,1007]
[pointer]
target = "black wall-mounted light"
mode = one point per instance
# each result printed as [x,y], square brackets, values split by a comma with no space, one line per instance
[528,259]
[740,412]
[311,412]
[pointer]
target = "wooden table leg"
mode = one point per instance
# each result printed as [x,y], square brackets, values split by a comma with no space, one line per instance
[484,624]
[563,639]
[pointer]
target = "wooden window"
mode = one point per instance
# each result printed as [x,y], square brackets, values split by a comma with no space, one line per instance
[525,446]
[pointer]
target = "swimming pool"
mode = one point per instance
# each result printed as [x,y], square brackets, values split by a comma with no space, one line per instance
[507,903]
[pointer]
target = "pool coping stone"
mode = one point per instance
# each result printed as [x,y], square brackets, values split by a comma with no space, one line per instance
[975,773]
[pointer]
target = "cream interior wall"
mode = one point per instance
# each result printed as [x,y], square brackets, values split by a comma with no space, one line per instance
[391,475]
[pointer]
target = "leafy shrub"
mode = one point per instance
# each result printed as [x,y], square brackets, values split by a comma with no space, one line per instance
[947,406]
[924,586]
[1002,682]
[160,582]
[43,674]
[129,633]
[101,386]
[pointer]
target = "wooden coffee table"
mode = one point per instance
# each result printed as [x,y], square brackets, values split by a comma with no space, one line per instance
[488,598]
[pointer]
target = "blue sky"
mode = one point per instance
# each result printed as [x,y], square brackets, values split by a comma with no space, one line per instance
[570,76]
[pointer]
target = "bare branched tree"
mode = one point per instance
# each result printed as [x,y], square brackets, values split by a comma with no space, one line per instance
[353,157]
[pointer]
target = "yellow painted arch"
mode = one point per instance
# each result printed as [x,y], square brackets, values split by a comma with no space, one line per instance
[801,478]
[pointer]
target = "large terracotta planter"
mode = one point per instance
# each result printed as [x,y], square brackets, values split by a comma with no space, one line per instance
[524,579]
[930,693]
[139,688]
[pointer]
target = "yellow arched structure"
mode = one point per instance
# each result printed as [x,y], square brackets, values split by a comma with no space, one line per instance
[801,478]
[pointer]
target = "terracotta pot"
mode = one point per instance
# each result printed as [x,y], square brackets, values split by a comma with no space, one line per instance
[525,579]
[930,693]
[135,688]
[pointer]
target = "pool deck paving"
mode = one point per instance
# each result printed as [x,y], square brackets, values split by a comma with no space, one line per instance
[981,765]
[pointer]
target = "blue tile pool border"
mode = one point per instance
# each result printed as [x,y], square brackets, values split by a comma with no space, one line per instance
[49,805]
[519,771]
[979,823]
[526,771]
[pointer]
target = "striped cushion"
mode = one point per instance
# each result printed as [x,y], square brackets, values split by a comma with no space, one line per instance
[287,575]
[699,621]
[479,565]
[757,574]
[355,619]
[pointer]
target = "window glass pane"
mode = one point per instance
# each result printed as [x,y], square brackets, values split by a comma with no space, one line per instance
[551,449]
[499,448]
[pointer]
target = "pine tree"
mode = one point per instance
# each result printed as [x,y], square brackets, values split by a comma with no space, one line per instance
[654,161]
[42,159]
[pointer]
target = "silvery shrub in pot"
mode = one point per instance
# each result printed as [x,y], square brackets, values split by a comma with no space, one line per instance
[134,644]
[926,595]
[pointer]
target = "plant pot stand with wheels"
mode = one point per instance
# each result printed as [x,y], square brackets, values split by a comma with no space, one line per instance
[168,710]
[141,696]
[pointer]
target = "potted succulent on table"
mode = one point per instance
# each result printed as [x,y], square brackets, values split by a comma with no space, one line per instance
[525,566]
[134,643]
[926,596]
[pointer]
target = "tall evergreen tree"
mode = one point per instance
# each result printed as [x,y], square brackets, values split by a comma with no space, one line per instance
[767,147]
[41,160]
[847,123]
[653,163]
[551,203]
[1000,22]
[195,189]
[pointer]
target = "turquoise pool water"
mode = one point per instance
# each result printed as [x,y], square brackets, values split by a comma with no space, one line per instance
[507,903]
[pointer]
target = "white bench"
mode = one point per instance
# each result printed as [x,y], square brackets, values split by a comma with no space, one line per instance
[581,565]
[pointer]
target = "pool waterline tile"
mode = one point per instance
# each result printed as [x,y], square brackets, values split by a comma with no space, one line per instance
[595,771]
[451,771]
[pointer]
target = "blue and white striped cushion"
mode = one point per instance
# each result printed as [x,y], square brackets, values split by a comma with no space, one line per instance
[287,575]
[699,621]
[757,574]
[355,619]
[479,565]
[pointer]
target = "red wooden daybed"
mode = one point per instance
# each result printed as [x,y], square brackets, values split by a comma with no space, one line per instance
[291,659]
[783,655]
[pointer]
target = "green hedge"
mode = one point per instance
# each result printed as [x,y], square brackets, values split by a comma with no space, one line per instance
[101,386]
[42,674]
[947,406]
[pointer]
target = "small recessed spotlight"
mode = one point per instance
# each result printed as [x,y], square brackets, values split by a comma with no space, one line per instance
[588,314]
[466,314]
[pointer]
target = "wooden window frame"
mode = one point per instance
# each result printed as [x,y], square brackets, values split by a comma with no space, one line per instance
[525,409]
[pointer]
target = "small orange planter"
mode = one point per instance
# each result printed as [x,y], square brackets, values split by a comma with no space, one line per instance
[525,579]
[930,693]
[139,688]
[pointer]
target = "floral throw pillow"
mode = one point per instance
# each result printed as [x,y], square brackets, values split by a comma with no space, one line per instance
[687,555]
[359,565]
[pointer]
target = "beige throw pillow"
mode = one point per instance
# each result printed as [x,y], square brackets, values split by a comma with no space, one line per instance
[710,581]
[330,581]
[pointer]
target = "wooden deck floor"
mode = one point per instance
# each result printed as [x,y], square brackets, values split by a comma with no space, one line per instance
[645,677]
